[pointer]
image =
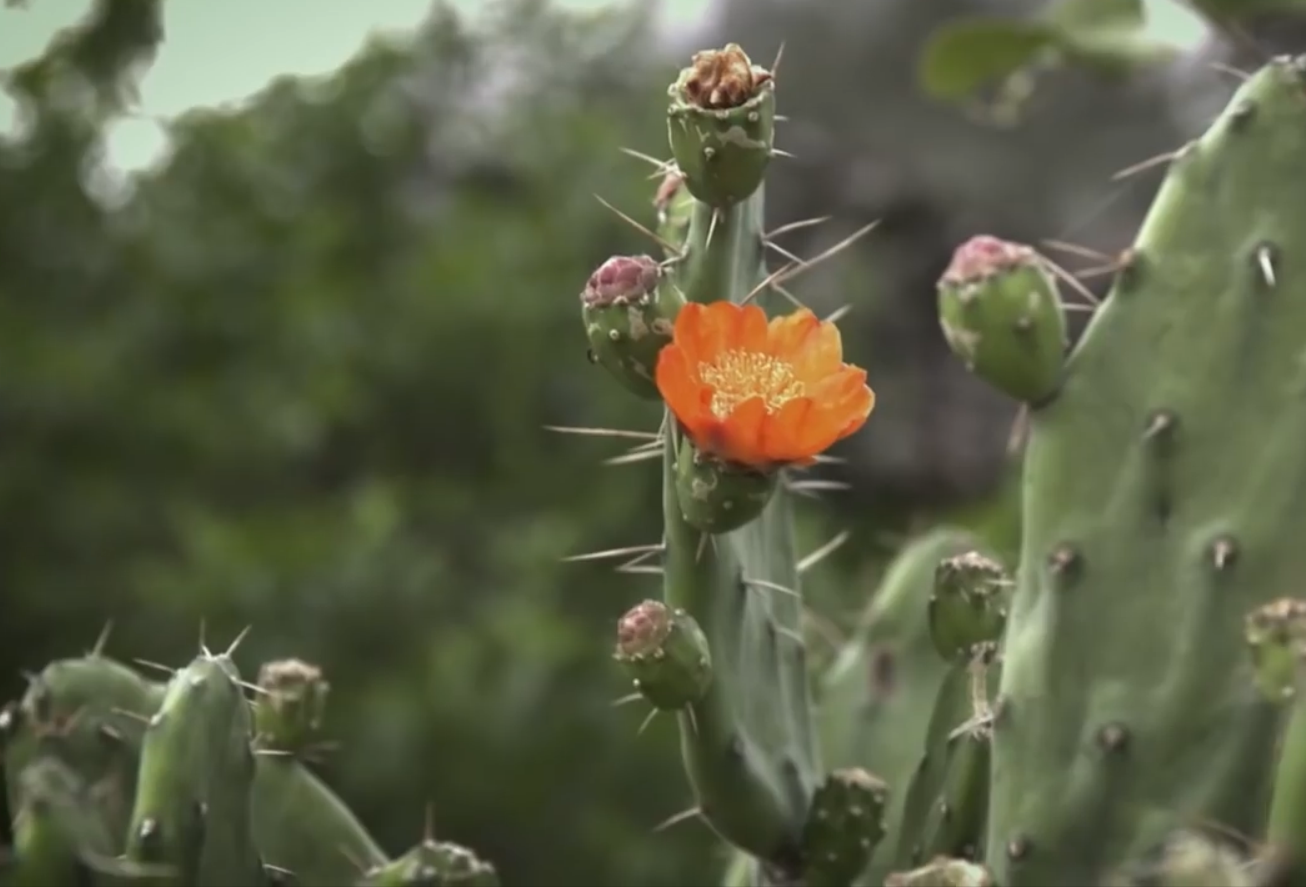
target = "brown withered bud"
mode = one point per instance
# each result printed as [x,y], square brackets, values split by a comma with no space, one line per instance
[723,78]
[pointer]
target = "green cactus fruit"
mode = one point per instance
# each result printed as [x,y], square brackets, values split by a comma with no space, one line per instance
[1276,636]
[1163,502]
[844,825]
[630,311]
[1001,314]
[717,496]
[721,125]
[192,806]
[433,864]
[943,872]
[969,604]
[675,208]
[665,653]
[1187,859]
[288,713]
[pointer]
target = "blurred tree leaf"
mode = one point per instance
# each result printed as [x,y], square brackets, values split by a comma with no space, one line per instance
[966,55]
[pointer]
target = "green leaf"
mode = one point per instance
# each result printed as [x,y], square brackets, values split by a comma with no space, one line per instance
[966,54]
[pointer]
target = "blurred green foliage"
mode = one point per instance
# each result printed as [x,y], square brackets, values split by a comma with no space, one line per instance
[297,377]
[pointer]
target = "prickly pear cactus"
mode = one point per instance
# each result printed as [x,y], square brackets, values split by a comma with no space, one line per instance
[1164,491]
[753,396]
[115,779]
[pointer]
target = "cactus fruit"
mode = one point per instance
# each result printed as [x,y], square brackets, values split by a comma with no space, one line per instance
[628,309]
[721,125]
[433,864]
[968,606]
[1001,314]
[666,655]
[118,780]
[844,825]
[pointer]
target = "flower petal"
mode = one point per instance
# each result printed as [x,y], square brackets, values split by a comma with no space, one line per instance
[737,437]
[679,385]
[787,334]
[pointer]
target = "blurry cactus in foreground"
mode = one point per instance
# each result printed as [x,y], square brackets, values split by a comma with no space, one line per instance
[119,780]
[1088,714]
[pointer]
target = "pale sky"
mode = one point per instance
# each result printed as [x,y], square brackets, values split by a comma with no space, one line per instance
[221,51]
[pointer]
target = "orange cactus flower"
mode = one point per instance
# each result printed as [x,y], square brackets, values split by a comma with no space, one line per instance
[760,393]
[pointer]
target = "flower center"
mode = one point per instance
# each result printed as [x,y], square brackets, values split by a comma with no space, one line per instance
[736,376]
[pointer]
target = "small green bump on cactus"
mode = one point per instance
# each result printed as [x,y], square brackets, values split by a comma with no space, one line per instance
[1002,315]
[629,310]
[288,713]
[721,125]
[665,653]
[719,497]
[1276,636]
[675,208]
[434,864]
[943,872]
[844,825]
[968,606]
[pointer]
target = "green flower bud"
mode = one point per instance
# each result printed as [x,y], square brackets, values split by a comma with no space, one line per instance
[1276,636]
[288,713]
[721,125]
[717,496]
[1001,314]
[844,825]
[969,603]
[629,313]
[665,653]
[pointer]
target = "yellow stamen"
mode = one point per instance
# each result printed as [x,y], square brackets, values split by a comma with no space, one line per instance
[736,376]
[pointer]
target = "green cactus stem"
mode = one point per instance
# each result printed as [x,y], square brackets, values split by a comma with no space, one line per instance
[876,699]
[1002,315]
[629,310]
[1163,500]
[943,872]
[192,807]
[717,496]
[288,712]
[969,602]
[721,124]
[675,209]
[1276,638]
[845,824]
[665,653]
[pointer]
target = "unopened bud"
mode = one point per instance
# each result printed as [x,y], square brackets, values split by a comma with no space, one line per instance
[629,312]
[1276,637]
[969,603]
[716,496]
[288,713]
[721,125]
[1001,313]
[665,652]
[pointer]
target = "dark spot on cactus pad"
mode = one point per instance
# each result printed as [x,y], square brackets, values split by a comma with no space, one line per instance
[916,854]
[735,748]
[1242,115]
[1064,561]
[968,852]
[591,356]
[1023,324]
[882,672]
[1018,847]
[1224,551]
[945,812]
[1113,737]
